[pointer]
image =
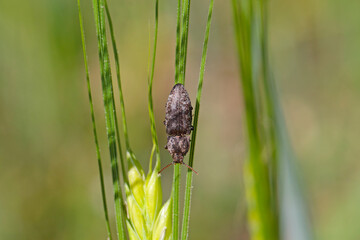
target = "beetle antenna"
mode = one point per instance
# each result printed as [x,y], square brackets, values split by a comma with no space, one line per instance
[166,167]
[190,168]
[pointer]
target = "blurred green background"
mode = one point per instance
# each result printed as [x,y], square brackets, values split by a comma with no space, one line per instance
[49,187]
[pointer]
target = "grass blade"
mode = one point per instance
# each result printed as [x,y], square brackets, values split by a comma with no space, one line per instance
[189,176]
[178,43]
[293,213]
[116,56]
[184,39]
[274,196]
[109,107]
[262,211]
[150,98]
[102,185]
[176,200]
[179,78]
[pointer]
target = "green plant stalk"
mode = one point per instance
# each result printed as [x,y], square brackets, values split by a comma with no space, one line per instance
[178,43]
[102,185]
[179,78]
[184,38]
[270,101]
[189,175]
[116,56]
[117,61]
[286,181]
[262,215]
[109,108]
[176,200]
[150,100]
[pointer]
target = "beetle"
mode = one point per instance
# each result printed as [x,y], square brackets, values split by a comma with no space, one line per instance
[178,118]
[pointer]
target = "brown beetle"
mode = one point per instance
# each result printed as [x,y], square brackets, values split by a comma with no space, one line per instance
[178,118]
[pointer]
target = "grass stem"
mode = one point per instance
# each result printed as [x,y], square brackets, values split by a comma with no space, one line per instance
[109,107]
[102,185]
[189,176]
[150,82]
[176,198]
[116,56]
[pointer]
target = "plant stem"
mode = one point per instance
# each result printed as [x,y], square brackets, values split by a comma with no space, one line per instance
[116,56]
[175,195]
[179,78]
[184,39]
[150,100]
[189,176]
[109,108]
[102,185]
[178,43]
[261,200]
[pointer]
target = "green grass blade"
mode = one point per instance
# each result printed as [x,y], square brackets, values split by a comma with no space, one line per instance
[178,43]
[150,99]
[102,185]
[176,200]
[109,107]
[293,211]
[262,211]
[189,176]
[179,78]
[182,32]
[274,195]
[117,63]
[184,39]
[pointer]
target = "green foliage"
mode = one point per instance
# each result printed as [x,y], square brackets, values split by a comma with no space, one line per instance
[182,33]
[110,112]
[143,194]
[268,148]
[189,175]
[145,219]
[103,195]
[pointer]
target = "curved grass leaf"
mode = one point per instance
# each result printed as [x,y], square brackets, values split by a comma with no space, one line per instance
[150,98]
[189,176]
[178,43]
[179,78]
[102,185]
[109,107]
[271,184]
[116,56]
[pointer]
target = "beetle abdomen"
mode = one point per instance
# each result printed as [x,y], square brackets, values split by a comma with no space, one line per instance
[178,146]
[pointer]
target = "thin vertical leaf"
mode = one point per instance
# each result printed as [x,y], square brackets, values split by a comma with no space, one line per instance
[176,200]
[184,39]
[272,187]
[117,63]
[150,98]
[189,176]
[130,156]
[178,42]
[293,211]
[102,185]
[262,214]
[179,78]
[109,107]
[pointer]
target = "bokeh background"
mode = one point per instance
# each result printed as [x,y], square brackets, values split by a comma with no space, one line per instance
[49,187]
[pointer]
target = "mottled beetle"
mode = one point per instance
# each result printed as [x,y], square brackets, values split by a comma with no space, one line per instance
[178,118]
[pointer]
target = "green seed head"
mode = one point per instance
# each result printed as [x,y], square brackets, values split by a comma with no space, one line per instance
[136,180]
[136,216]
[163,225]
[153,197]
